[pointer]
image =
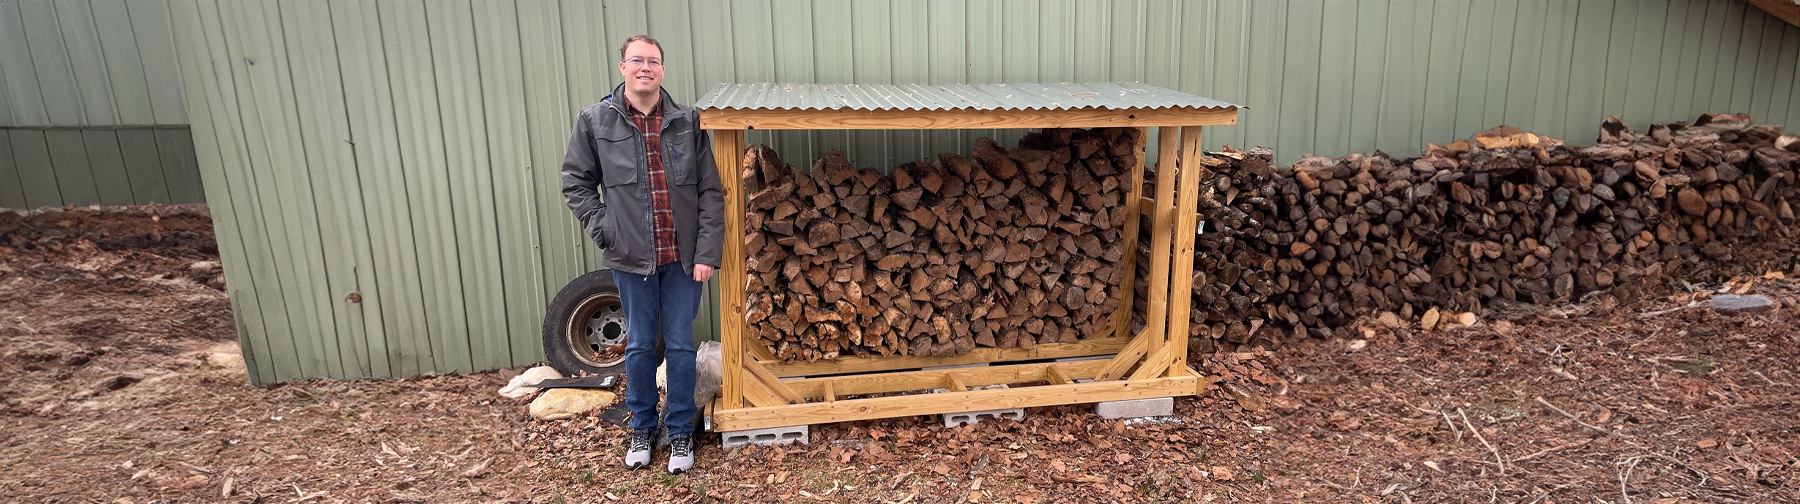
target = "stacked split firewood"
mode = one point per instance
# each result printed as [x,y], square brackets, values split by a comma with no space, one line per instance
[1005,248]
[1509,217]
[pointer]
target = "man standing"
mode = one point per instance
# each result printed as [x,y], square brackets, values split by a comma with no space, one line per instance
[661,225]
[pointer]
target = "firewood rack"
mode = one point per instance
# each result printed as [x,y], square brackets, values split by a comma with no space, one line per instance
[760,391]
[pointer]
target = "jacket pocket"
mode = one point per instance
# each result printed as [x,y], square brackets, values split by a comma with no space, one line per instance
[680,157]
[618,152]
[596,227]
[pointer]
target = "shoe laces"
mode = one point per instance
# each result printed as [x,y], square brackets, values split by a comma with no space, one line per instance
[682,447]
[640,441]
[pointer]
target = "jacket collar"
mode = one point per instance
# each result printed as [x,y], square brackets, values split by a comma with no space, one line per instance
[670,109]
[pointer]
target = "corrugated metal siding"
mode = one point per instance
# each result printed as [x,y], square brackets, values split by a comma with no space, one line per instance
[91,107]
[80,63]
[97,166]
[1013,96]
[408,150]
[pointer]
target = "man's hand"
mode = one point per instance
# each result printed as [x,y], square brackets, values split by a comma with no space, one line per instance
[702,272]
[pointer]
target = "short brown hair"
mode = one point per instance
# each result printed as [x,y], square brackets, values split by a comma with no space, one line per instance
[640,38]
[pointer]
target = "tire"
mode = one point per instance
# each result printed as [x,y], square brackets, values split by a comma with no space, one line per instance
[584,329]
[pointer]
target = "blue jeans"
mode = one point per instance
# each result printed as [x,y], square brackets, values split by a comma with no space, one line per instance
[667,302]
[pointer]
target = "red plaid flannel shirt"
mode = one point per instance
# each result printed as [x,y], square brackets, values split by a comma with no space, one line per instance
[662,218]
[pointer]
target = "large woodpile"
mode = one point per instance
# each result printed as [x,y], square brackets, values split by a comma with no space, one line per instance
[1508,217]
[1006,248]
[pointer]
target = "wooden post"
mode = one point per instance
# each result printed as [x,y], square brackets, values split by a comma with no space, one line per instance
[728,148]
[1186,223]
[1162,225]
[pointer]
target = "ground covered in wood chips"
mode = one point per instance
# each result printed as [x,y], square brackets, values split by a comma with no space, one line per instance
[121,383]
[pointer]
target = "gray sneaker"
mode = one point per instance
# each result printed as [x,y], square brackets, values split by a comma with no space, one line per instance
[681,454]
[638,456]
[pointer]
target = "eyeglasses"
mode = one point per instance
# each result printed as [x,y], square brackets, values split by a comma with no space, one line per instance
[650,62]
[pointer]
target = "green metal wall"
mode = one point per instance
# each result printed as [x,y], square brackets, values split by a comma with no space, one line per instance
[408,150]
[91,110]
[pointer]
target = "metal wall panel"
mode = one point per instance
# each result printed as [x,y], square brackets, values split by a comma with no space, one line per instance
[37,177]
[175,148]
[143,165]
[111,182]
[12,192]
[471,199]
[510,173]
[409,150]
[50,61]
[81,73]
[69,162]
[124,66]
[156,46]
[394,298]
[93,84]
[329,173]
[6,105]
[104,165]
[85,63]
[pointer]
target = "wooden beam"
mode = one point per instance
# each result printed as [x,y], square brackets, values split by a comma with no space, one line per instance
[1202,386]
[774,384]
[728,147]
[1128,357]
[1157,364]
[909,381]
[951,402]
[1148,206]
[1181,276]
[1057,376]
[1091,346]
[1787,10]
[838,119]
[756,394]
[955,385]
[830,395]
[1121,323]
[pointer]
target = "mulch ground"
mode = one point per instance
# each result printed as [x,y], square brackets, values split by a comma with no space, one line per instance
[120,382]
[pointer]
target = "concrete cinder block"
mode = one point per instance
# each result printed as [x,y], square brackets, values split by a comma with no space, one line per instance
[771,436]
[1136,408]
[952,420]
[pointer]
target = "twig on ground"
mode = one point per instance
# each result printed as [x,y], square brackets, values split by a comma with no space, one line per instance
[1653,335]
[1478,436]
[1553,407]
[1703,477]
[1664,312]
[1547,493]
[1625,478]
[1553,449]
[1767,380]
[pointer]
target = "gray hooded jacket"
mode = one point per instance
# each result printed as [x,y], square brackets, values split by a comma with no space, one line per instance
[604,182]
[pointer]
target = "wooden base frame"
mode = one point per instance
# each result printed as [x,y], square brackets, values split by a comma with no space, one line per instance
[761,392]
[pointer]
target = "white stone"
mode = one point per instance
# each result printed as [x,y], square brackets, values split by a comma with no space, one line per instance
[558,404]
[519,387]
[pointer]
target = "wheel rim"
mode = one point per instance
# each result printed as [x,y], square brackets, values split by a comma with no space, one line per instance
[597,324]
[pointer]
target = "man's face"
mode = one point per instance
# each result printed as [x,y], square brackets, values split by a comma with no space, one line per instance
[642,67]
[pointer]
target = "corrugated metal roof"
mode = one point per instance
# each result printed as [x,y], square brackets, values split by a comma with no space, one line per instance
[1031,96]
